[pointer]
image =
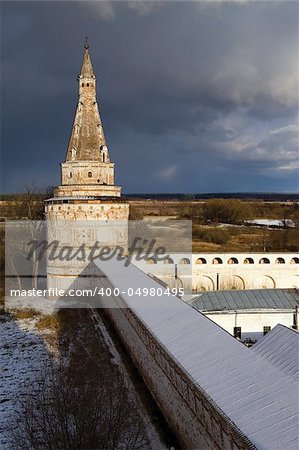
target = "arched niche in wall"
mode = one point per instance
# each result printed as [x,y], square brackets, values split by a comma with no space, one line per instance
[248,260]
[264,261]
[201,261]
[268,282]
[184,261]
[232,261]
[206,284]
[279,261]
[151,261]
[168,260]
[217,261]
[238,282]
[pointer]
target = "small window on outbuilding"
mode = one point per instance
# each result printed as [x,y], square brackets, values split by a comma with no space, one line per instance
[237,332]
[89,174]
[266,330]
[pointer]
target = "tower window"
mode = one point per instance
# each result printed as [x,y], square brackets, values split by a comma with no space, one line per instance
[71,175]
[89,174]
[82,84]
[87,84]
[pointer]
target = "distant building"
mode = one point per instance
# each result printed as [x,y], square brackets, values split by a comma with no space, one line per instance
[249,314]
[226,271]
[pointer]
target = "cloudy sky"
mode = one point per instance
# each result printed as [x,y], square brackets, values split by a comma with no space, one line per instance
[194,96]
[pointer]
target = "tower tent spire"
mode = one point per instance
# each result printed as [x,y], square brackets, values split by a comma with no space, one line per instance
[87,170]
[87,141]
[87,69]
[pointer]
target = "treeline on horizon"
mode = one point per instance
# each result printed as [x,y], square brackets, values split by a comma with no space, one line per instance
[262,196]
[249,196]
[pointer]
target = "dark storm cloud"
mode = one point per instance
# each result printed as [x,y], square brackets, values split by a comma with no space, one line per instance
[194,96]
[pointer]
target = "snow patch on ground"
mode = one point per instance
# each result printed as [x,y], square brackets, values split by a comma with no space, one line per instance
[23,357]
[272,222]
[41,304]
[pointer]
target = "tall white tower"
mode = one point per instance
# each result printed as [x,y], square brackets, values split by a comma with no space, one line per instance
[87,206]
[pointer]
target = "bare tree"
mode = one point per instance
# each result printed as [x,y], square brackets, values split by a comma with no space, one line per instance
[30,209]
[70,411]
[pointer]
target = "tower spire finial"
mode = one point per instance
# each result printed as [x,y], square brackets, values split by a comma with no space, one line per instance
[86,45]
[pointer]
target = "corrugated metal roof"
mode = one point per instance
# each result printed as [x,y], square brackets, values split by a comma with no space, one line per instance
[246,299]
[281,348]
[255,394]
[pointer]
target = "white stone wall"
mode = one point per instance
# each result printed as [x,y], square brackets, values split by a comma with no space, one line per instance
[198,271]
[92,210]
[75,225]
[195,420]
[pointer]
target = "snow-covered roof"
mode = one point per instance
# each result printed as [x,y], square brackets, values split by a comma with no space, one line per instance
[253,393]
[246,299]
[281,348]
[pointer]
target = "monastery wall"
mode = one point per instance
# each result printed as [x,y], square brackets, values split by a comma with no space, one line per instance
[195,419]
[200,271]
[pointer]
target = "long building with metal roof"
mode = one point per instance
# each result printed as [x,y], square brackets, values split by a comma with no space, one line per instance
[253,299]
[249,314]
